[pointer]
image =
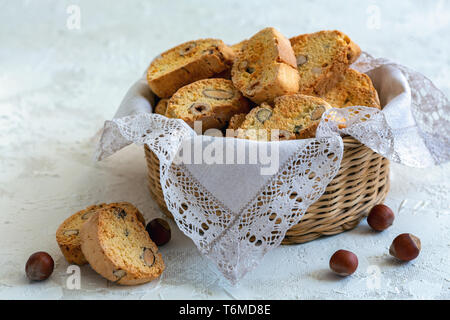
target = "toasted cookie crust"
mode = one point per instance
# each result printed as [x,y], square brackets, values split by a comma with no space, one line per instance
[187,63]
[265,67]
[68,233]
[293,116]
[354,89]
[322,58]
[211,101]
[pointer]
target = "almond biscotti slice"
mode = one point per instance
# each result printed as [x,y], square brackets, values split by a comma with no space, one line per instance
[68,233]
[117,246]
[322,58]
[211,101]
[187,63]
[294,116]
[161,106]
[355,89]
[265,67]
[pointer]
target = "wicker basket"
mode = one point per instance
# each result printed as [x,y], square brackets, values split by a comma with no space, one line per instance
[362,182]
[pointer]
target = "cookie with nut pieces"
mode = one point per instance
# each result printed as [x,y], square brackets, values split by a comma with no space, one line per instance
[292,117]
[354,89]
[322,58]
[211,101]
[68,233]
[265,67]
[187,63]
[117,246]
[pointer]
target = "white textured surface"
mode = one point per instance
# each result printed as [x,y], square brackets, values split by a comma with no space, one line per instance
[58,85]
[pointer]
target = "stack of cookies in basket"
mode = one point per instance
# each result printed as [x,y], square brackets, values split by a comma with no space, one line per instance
[268,83]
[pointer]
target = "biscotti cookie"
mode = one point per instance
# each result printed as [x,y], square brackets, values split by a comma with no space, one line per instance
[211,101]
[322,58]
[117,246]
[68,233]
[294,116]
[161,106]
[265,67]
[355,89]
[187,63]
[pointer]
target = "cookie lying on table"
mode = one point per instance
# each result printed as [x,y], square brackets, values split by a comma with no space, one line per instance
[322,58]
[294,116]
[265,67]
[117,246]
[187,63]
[355,89]
[211,101]
[68,233]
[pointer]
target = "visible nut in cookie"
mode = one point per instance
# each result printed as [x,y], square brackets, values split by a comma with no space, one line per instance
[120,213]
[200,108]
[285,135]
[263,115]
[253,85]
[316,70]
[243,65]
[218,94]
[87,215]
[301,60]
[298,128]
[187,49]
[71,232]
[316,114]
[119,274]
[148,257]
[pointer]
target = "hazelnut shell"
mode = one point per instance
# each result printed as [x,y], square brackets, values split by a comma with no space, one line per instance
[159,231]
[405,247]
[344,262]
[380,217]
[39,266]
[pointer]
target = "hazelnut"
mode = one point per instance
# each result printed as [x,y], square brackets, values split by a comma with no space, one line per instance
[243,65]
[87,215]
[380,217]
[316,114]
[218,94]
[159,231]
[71,232]
[148,257]
[199,108]
[253,86]
[263,115]
[39,266]
[187,49]
[301,60]
[298,128]
[119,274]
[285,135]
[344,262]
[316,70]
[405,247]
